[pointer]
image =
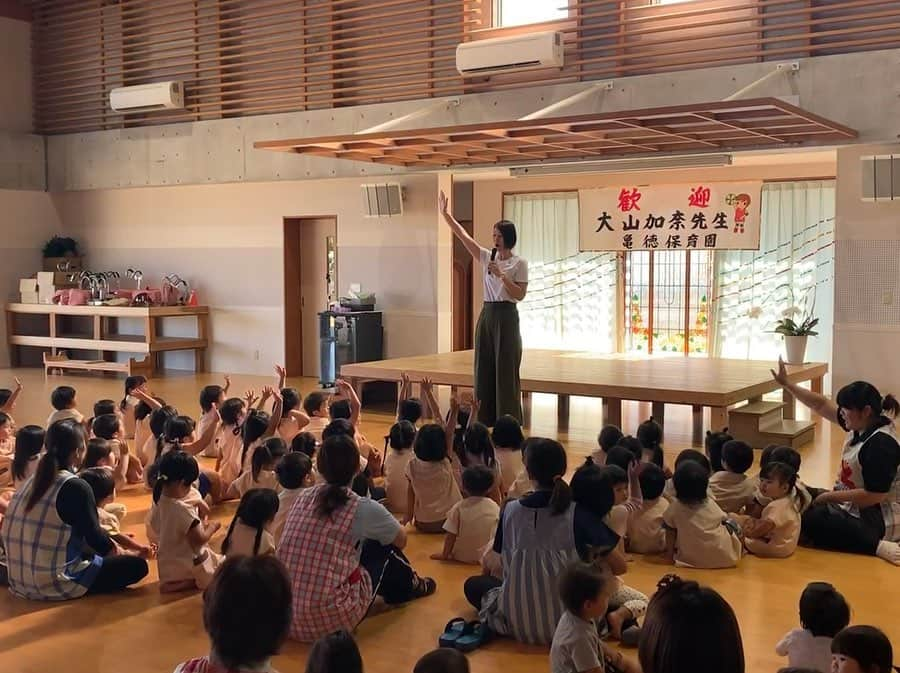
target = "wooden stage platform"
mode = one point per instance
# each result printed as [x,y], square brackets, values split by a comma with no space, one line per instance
[699,382]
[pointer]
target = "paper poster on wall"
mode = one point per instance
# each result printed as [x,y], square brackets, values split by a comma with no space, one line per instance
[701,216]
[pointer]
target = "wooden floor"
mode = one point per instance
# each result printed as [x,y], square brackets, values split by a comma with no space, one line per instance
[146,632]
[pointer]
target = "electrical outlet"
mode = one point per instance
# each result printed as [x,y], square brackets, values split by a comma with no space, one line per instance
[256,355]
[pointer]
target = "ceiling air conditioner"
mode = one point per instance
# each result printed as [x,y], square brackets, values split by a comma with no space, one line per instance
[510,54]
[147,97]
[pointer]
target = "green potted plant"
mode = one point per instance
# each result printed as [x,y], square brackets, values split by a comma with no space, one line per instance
[796,333]
[61,250]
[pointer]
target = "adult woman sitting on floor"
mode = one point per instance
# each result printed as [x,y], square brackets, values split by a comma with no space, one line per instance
[862,514]
[342,550]
[538,536]
[50,523]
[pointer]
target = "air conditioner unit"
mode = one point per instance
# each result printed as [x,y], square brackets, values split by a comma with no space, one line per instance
[510,54]
[147,97]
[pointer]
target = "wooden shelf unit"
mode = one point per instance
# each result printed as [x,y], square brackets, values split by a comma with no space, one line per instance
[104,338]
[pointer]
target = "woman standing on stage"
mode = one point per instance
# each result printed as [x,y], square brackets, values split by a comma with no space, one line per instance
[498,342]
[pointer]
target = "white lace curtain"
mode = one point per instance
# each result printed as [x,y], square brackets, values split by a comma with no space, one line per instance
[571,300]
[793,269]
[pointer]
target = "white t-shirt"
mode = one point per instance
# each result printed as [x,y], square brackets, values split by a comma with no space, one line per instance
[731,490]
[172,519]
[316,425]
[65,415]
[243,539]
[576,646]
[804,650]
[782,540]
[229,446]
[285,501]
[473,521]
[516,268]
[645,528]
[510,462]
[703,539]
[396,484]
[267,479]
[435,488]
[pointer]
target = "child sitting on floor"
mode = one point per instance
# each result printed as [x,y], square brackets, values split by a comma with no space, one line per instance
[776,532]
[184,558]
[478,449]
[29,446]
[713,445]
[731,488]
[507,438]
[335,653]
[104,489]
[398,453]
[247,614]
[471,522]
[698,532]
[228,438]
[9,397]
[823,613]
[862,649]
[442,660]
[100,454]
[144,445]
[259,426]
[585,591]
[780,454]
[250,531]
[294,473]
[650,435]
[408,408]
[683,457]
[211,396]
[609,436]
[7,447]
[645,533]
[129,404]
[315,406]
[265,459]
[63,401]
[111,428]
[433,490]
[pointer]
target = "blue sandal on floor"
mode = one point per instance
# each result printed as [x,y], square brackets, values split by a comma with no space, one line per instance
[454,629]
[478,635]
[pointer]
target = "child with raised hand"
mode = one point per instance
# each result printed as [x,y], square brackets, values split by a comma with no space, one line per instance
[442,660]
[259,426]
[7,447]
[9,397]
[398,454]
[335,653]
[650,435]
[130,402]
[862,649]
[645,533]
[247,614]
[184,558]
[823,613]
[293,420]
[144,441]
[776,533]
[104,489]
[433,490]
[250,532]
[229,446]
[508,438]
[478,449]
[265,459]
[211,396]
[471,522]
[610,436]
[698,533]
[730,487]
[585,591]
[713,445]
[408,408]
[294,474]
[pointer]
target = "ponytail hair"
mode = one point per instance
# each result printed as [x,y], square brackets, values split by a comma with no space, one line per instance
[890,406]
[257,508]
[131,383]
[338,463]
[29,442]
[262,456]
[158,420]
[545,462]
[175,467]
[63,440]
[255,425]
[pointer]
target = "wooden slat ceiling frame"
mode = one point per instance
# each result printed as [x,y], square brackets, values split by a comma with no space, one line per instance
[719,126]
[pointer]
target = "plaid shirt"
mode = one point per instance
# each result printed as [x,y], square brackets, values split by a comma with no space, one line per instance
[45,558]
[331,590]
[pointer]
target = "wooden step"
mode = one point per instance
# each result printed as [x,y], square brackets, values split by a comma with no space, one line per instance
[788,432]
[758,409]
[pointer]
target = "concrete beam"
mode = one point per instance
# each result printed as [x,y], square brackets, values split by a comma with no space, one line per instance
[847,88]
[22,162]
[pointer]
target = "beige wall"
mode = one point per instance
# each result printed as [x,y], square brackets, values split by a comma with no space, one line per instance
[867,267]
[227,240]
[28,220]
[15,76]
[489,193]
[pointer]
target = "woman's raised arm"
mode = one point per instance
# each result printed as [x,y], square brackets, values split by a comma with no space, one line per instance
[473,248]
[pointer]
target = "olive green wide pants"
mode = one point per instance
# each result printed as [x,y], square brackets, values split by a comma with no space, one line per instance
[498,355]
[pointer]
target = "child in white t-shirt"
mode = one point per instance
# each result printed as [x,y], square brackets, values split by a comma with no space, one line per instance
[433,490]
[609,436]
[63,401]
[730,487]
[294,474]
[211,396]
[823,613]
[776,532]
[315,406]
[698,533]
[471,522]
[184,558]
[508,438]
[265,459]
[104,488]
[645,533]
[250,531]
[398,454]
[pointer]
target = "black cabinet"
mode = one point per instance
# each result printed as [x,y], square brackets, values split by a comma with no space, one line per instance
[346,338]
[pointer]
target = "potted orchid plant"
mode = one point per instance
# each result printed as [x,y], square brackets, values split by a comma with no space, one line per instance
[796,326]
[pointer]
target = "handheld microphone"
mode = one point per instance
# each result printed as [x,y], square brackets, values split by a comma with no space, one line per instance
[493,254]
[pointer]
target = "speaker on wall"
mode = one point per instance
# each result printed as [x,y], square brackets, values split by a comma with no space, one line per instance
[384,200]
[881,177]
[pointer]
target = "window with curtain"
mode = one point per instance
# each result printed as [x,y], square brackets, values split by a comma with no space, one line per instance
[791,273]
[571,300]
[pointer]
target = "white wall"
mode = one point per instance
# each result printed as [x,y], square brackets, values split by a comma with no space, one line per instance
[227,240]
[27,220]
[867,265]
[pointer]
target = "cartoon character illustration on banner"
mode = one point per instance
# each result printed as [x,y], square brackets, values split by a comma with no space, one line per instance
[741,209]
